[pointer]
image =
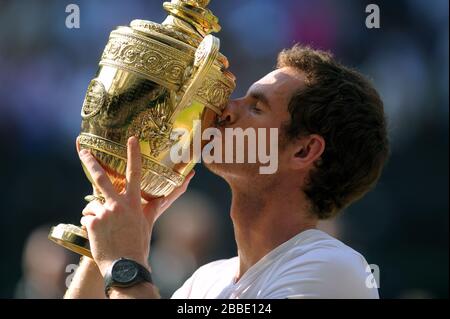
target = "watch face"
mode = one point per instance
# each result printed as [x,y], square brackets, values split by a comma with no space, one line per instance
[124,271]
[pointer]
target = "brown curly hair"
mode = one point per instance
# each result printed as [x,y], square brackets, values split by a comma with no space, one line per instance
[343,107]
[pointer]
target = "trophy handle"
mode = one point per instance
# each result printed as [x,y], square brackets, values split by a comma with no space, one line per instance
[72,237]
[205,55]
[75,238]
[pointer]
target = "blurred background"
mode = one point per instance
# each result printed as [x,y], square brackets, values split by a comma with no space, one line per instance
[402,226]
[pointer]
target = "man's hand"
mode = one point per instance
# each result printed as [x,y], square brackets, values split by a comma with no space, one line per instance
[122,226]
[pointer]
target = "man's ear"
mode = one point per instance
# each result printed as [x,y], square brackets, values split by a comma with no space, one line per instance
[307,150]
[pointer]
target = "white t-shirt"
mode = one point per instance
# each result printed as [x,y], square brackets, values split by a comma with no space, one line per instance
[312,264]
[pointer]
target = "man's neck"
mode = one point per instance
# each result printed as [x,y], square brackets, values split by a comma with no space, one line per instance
[264,219]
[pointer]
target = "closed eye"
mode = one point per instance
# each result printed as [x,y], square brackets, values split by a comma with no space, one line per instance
[255,109]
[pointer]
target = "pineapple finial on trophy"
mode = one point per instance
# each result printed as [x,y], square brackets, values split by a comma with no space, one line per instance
[197,3]
[195,13]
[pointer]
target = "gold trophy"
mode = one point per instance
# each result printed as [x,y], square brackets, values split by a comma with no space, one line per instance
[153,80]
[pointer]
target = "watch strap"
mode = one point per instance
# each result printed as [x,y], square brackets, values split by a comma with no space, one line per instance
[143,275]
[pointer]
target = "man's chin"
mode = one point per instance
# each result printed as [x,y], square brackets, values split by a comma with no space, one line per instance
[225,170]
[218,168]
[222,169]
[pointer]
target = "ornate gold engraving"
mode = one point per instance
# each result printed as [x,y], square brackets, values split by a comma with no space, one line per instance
[214,93]
[149,58]
[153,125]
[112,148]
[143,25]
[94,100]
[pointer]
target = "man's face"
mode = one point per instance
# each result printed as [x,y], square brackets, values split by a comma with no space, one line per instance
[264,106]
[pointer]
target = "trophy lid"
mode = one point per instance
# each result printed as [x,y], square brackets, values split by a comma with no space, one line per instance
[188,22]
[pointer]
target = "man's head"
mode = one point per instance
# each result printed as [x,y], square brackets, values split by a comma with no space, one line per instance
[332,129]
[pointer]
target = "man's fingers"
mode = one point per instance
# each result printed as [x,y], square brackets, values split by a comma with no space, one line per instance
[177,192]
[158,206]
[98,174]
[134,167]
[96,191]
[93,208]
[86,221]
[77,144]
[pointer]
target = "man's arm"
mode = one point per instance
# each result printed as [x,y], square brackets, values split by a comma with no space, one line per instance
[119,227]
[87,283]
[140,291]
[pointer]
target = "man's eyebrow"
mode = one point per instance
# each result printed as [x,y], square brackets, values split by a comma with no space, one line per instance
[259,95]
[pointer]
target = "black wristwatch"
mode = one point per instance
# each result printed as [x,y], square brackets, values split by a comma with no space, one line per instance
[125,273]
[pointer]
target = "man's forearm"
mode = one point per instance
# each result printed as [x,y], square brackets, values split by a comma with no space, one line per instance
[140,291]
[87,283]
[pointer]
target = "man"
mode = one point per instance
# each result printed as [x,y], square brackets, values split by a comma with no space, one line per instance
[332,148]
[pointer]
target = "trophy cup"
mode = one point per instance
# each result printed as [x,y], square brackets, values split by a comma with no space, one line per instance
[153,79]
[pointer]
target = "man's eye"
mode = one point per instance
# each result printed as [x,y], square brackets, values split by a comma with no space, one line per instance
[255,109]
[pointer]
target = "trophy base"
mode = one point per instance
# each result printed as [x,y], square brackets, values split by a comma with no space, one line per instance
[71,237]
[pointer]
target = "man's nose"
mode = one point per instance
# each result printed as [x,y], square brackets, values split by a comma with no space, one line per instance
[229,114]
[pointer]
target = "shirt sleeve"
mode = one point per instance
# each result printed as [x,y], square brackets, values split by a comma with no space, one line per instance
[184,291]
[196,282]
[323,274]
